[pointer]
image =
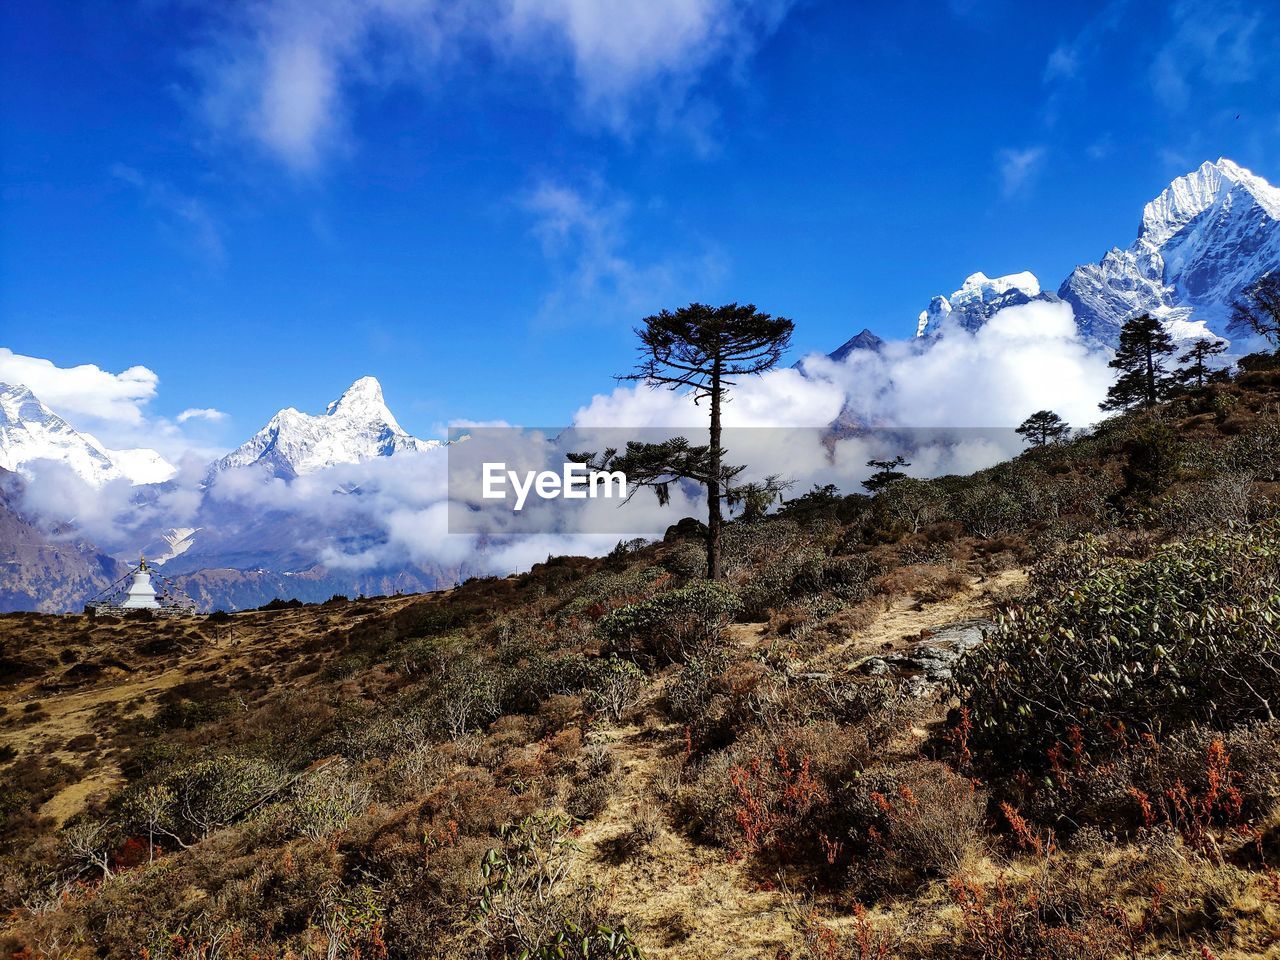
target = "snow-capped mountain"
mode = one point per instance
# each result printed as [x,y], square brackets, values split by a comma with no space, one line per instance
[978,298]
[30,431]
[354,428]
[1206,237]
[1200,243]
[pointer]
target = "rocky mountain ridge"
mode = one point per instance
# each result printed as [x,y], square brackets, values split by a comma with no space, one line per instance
[1207,236]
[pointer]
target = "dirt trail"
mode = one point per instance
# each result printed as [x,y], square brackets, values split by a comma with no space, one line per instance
[900,625]
[681,899]
[688,901]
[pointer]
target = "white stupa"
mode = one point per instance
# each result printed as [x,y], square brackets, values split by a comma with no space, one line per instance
[141,595]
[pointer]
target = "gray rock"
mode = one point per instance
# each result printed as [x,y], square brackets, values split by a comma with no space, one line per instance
[930,663]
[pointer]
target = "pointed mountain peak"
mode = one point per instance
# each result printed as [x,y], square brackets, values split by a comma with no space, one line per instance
[1189,196]
[354,428]
[866,340]
[364,394]
[1228,168]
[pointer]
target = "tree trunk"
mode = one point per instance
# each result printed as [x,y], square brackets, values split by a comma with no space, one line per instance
[713,485]
[1151,376]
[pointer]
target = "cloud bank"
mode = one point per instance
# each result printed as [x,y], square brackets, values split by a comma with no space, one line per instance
[85,390]
[388,512]
[111,410]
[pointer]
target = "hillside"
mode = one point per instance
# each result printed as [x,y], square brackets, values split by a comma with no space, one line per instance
[45,570]
[1026,713]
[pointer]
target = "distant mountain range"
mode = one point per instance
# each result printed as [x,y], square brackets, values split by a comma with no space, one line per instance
[30,431]
[1207,236]
[233,550]
[283,516]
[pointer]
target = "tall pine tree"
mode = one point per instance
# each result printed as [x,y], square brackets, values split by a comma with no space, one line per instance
[1144,380]
[702,349]
[1195,369]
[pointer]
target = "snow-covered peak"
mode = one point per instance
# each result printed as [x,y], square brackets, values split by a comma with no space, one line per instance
[356,427]
[1187,197]
[30,431]
[138,464]
[977,299]
[362,399]
[978,286]
[1206,237]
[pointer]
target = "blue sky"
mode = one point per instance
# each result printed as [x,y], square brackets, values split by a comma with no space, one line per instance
[475,200]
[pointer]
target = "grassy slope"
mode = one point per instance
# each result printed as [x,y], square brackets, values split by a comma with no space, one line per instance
[93,709]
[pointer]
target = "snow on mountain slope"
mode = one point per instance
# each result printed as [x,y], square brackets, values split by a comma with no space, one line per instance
[30,431]
[978,298]
[1200,243]
[1207,236]
[171,543]
[355,427]
[139,465]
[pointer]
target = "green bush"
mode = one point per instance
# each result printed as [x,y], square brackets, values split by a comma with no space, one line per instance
[190,802]
[781,578]
[189,714]
[1107,648]
[607,589]
[672,625]
[614,686]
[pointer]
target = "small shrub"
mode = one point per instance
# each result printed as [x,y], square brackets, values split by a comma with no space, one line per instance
[773,796]
[911,824]
[525,908]
[614,687]
[781,578]
[191,801]
[327,800]
[672,625]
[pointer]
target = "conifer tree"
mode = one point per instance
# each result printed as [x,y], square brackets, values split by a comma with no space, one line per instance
[703,349]
[887,473]
[1195,370]
[1042,428]
[1144,380]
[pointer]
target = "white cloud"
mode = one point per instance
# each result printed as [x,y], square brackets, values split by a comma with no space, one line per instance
[583,233]
[282,73]
[622,51]
[86,389]
[110,407]
[1018,168]
[1023,359]
[201,413]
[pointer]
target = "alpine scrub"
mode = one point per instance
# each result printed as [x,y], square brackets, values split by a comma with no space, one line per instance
[1122,647]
